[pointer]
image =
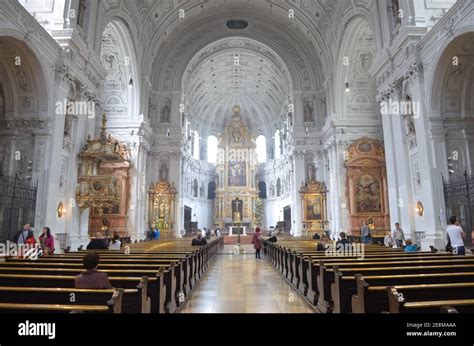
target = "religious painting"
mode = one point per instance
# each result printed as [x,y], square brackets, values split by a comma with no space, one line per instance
[313,208]
[368,194]
[237,176]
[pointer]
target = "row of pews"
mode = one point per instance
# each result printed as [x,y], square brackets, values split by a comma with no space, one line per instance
[153,277]
[383,280]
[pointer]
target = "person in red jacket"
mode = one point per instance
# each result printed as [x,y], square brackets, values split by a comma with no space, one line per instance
[257,242]
[46,240]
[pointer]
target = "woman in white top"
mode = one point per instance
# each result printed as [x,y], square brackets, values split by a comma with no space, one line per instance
[115,244]
[388,240]
[456,237]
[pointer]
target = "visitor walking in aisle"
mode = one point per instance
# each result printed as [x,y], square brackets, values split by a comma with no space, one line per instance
[257,242]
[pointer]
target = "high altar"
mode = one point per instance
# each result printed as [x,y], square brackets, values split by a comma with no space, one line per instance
[236,192]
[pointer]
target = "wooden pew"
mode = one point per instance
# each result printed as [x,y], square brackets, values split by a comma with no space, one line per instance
[373,299]
[173,271]
[327,275]
[163,286]
[345,287]
[313,276]
[144,285]
[12,308]
[342,299]
[131,299]
[398,304]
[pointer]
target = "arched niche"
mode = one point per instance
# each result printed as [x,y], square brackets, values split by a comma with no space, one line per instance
[355,87]
[121,88]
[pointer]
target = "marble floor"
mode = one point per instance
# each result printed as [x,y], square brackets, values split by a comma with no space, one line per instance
[239,283]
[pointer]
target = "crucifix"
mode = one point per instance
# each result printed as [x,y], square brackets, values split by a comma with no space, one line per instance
[237,215]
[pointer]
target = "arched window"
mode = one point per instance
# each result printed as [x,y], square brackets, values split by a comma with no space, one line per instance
[278,187]
[261,149]
[211,190]
[262,190]
[196,151]
[195,188]
[212,149]
[277,144]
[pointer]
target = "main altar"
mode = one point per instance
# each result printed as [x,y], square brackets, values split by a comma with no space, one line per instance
[236,188]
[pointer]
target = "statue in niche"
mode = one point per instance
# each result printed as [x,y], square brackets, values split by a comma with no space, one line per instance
[409,118]
[165,111]
[81,13]
[68,120]
[308,111]
[324,107]
[410,122]
[311,172]
[109,62]
[365,62]
[395,12]
[22,80]
[163,172]
[2,103]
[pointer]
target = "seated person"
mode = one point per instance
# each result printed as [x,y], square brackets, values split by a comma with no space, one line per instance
[115,243]
[344,241]
[91,278]
[325,238]
[388,240]
[98,243]
[410,247]
[199,240]
[321,246]
[273,239]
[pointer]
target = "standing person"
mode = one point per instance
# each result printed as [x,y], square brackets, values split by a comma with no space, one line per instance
[115,243]
[157,233]
[21,236]
[46,240]
[456,236]
[365,233]
[398,235]
[257,242]
[151,234]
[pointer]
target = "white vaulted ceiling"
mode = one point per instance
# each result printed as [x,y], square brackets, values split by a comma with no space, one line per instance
[236,71]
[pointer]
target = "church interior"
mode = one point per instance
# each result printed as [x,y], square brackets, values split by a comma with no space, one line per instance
[197,133]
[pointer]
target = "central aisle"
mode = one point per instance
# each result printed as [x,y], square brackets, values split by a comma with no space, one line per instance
[243,284]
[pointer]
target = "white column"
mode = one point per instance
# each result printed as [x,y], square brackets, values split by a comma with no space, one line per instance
[299,177]
[432,187]
[391,163]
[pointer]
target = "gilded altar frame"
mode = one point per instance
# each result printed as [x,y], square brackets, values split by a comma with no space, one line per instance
[161,211]
[366,187]
[314,206]
[236,174]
